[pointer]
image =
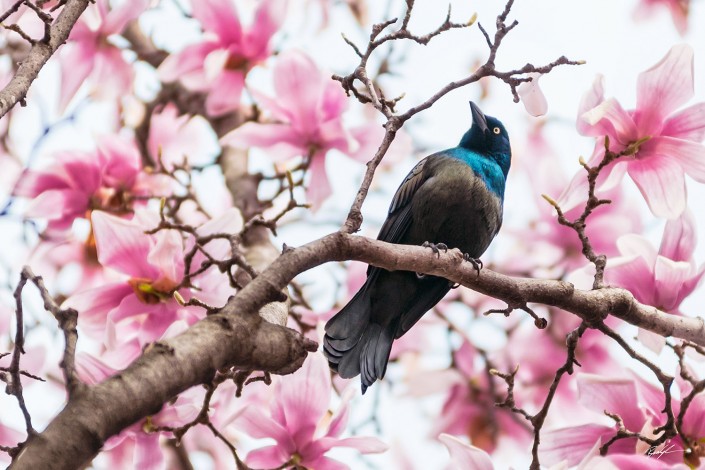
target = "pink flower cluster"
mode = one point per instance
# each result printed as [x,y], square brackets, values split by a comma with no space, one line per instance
[666,143]
[219,63]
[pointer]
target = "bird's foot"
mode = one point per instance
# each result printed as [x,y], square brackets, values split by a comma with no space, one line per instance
[436,247]
[476,262]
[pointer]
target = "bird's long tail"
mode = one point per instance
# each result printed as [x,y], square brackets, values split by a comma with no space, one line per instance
[355,345]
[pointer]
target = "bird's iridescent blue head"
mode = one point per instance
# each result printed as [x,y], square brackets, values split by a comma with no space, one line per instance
[489,138]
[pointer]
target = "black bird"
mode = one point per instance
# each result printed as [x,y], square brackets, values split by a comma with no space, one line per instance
[450,199]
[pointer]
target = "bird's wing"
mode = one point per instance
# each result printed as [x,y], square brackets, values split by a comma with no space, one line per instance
[399,216]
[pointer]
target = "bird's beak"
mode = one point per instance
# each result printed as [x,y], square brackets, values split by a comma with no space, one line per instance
[478,118]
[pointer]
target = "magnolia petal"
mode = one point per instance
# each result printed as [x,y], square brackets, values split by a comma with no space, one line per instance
[282,141]
[268,19]
[122,245]
[130,306]
[590,100]
[59,206]
[82,174]
[635,275]
[631,245]
[664,88]
[120,161]
[77,61]
[319,188]
[225,92]
[333,135]
[335,101]
[187,62]
[694,419]
[340,417]
[148,453]
[267,457]
[688,124]
[167,255]
[220,17]
[298,83]
[602,394]
[533,98]
[272,105]
[679,238]
[670,276]
[303,398]
[365,445]
[256,424]
[33,183]
[651,340]
[690,155]
[609,118]
[324,463]
[94,304]
[118,17]
[112,75]
[465,456]
[662,183]
[574,443]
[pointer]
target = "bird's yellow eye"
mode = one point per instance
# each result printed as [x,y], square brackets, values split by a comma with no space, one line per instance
[496,130]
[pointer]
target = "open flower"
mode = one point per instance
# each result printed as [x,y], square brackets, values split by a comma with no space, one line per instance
[88,51]
[639,405]
[218,64]
[664,143]
[295,421]
[662,279]
[79,182]
[143,305]
[308,110]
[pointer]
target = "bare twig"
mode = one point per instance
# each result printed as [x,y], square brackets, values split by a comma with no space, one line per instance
[371,94]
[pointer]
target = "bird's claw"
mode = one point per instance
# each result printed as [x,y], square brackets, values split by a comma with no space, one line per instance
[476,262]
[436,247]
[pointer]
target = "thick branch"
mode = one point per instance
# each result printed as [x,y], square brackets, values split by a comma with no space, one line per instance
[590,305]
[241,338]
[166,369]
[38,55]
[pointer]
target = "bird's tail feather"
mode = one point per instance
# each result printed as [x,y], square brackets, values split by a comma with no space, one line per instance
[354,345]
[368,357]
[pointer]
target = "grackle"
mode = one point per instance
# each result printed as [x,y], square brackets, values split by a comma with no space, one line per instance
[450,199]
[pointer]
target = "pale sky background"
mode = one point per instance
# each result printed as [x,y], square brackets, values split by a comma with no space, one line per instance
[601,32]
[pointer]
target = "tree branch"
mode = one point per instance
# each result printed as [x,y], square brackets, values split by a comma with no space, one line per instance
[39,54]
[166,369]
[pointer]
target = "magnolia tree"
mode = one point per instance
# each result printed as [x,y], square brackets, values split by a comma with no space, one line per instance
[185,184]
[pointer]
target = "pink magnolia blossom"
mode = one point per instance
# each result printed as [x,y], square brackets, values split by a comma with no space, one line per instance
[640,406]
[89,53]
[79,182]
[662,279]
[670,139]
[299,422]
[143,305]
[679,10]
[308,110]
[175,140]
[218,64]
